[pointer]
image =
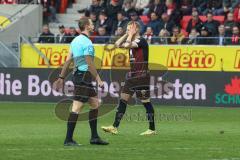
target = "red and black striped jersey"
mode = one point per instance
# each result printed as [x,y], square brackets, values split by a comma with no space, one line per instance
[139,57]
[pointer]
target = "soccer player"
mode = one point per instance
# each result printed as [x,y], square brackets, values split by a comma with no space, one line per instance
[138,78]
[82,53]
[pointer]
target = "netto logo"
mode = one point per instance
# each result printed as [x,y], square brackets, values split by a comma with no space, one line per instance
[56,58]
[197,59]
[115,58]
[232,93]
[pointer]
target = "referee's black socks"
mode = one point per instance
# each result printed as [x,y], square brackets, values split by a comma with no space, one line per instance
[150,115]
[72,120]
[121,109]
[93,114]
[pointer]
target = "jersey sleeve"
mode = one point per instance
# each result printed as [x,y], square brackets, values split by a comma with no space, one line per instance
[141,42]
[88,49]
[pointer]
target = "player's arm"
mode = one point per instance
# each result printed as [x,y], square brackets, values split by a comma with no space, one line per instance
[66,66]
[129,43]
[59,83]
[92,69]
[120,41]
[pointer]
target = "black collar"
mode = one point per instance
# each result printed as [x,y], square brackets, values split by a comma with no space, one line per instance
[85,35]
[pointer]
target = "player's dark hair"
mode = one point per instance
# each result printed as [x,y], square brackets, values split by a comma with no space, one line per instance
[83,22]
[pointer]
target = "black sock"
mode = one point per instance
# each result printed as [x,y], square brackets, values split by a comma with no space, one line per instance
[121,109]
[72,120]
[150,115]
[93,114]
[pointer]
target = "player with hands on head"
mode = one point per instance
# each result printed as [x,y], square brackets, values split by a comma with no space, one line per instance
[137,79]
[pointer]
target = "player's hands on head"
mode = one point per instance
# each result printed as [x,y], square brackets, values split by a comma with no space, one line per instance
[133,29]
[58,85]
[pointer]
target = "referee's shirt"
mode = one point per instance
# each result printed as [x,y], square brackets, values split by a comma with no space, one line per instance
[80,47]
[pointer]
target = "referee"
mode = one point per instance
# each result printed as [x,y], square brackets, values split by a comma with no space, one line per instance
[82,52]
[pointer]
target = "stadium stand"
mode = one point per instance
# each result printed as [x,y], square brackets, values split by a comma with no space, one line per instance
[68,19]
[169,14]
[186,19]
[13,23]
[179,14]
[21,16]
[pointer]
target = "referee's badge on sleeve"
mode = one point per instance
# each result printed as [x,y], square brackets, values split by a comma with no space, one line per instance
[91,50]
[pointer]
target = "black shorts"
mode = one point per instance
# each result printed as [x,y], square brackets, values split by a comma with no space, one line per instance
[83,88]
[139,85]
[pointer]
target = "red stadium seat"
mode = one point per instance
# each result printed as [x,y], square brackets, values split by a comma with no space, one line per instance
[145,19]
[184,21]
[203,18]
[67,30]
[8,2]
[219,18]
[184,32]
[63,6]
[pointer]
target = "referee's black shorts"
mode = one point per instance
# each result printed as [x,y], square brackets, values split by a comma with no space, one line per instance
[83,88]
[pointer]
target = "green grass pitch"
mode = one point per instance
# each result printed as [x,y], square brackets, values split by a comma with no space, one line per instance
[31,131]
